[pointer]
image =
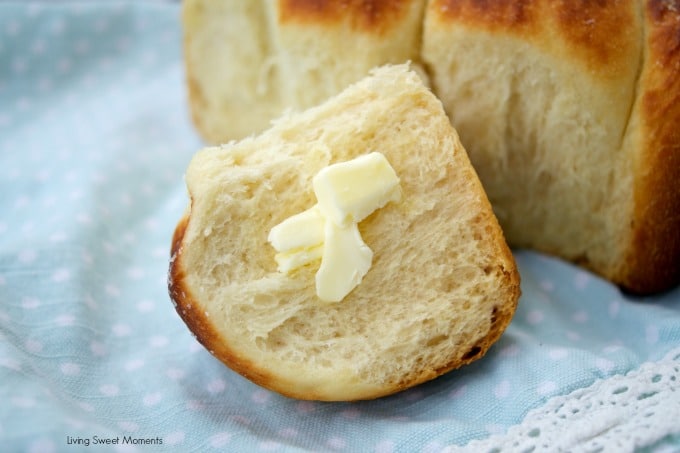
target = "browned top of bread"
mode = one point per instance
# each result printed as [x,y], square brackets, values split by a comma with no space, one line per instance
[588,30]
[374,16]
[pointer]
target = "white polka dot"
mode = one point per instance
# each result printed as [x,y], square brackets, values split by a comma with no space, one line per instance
[614,308]
[511,350]
[65,320]
[175,373]
[580,316]
[128,426]
[305,407]
[81,46]
[90,302]
[12,28]
[22,402]
[58,26]
[288,433]
[151,224]
[84,218]
[604,365]
[112,290]
[136,273]
[19,66]
[336,443]
[70,369]
[64,65]
[558,353]
[502,390]
[34,9]
[195,405]
[145,306]
[30,303]
[260,396]
[122,330]
[385,446]
[58,237]
[34,346]
[547,285]
[611,349]
[134,364]
[87,407]
[216,386]
[9,363]
[152,399]
[158,341]
[458,392]
[546,388]
[195,346]
[21,202]
[27,256]
[219,440]
[174,438]
[573,336]
[535,317]
[61,275]
[100,25]
[652,334]
[352,413]
[109,389]
[41,446]
[269,445]
[45,83]
[38,46]
[43,175]
[581,280]
[98,348]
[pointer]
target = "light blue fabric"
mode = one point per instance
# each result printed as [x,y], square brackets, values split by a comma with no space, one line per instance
[94,139]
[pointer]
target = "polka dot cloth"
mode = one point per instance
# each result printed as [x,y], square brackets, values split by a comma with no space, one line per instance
[94,140]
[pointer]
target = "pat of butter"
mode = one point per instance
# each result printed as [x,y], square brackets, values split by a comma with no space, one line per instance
[350,191]
[346,193]
[292,259]
[346,259]
[299,231]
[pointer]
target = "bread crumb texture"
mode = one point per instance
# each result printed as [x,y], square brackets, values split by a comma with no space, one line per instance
[443,285]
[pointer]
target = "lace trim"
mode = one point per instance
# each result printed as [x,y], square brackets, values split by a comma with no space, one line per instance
[621,413]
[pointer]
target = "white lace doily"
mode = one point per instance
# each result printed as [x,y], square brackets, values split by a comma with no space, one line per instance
[618,414]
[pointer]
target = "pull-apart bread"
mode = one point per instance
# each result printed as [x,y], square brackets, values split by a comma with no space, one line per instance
[248,61]
[441,284]
[569,110]
[570,113]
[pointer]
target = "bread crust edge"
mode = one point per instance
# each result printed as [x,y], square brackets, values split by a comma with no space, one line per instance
[189,310]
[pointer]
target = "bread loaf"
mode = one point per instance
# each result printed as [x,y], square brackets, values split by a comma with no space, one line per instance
[569,111]
[249,61]
[442,285]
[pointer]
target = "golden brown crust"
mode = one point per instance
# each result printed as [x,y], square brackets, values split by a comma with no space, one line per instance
[370,16]
[189,309]
[594,32]
[654,255]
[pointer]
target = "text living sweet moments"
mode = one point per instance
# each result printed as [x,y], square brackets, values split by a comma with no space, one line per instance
[117,440]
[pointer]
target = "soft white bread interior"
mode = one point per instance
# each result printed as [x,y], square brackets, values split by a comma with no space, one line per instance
[570,113]
[249,61]
[442,286]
